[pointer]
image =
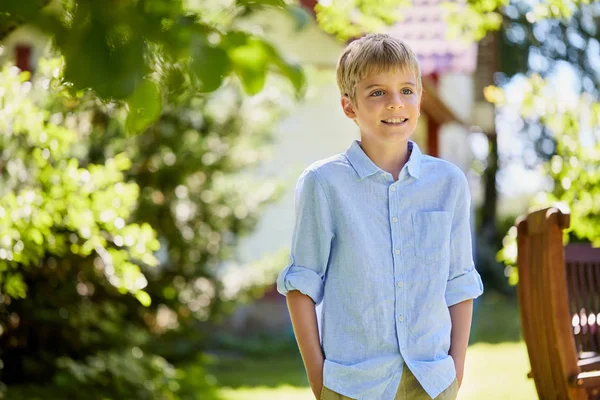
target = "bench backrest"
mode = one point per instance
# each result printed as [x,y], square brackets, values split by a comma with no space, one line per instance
[544,304]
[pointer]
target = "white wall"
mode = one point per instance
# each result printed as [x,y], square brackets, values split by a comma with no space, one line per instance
[456,91]
[316,129]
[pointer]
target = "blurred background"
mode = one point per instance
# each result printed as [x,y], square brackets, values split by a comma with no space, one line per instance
[150,149]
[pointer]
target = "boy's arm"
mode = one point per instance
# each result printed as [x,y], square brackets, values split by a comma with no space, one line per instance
[461,315]
[464,283]
[304,320]
[302,281]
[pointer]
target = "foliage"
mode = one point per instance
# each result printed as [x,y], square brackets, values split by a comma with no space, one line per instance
[470,20]
[530,45]
[86,295]
[120,49]
[574,169]
[119,374]
[542,41]
[72,279]
[181,180]
[52,206]
[194,168]
[348,19]
[477,18]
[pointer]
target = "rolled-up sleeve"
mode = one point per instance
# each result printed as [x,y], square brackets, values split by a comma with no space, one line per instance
[311,240]
[464,282]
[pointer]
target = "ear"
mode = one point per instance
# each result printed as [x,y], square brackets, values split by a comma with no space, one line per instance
[348,107]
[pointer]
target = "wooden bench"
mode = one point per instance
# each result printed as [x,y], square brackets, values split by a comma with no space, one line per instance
[559,298]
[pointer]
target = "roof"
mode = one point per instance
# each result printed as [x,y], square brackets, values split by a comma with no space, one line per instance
[423,28]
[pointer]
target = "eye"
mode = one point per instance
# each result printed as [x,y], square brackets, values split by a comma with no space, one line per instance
[377,93]
[407,91]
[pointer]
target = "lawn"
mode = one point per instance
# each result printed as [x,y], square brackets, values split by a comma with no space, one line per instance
[496,368]
[493,371]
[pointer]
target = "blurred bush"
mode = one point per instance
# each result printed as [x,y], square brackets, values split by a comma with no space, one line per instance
[71,279]
[573,171]
[87,297]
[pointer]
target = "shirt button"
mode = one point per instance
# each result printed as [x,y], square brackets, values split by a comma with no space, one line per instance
[400,284]
[397,251]
[393,188]
[401,318]
[395,219]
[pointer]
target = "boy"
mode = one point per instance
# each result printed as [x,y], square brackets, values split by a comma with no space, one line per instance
[382,243]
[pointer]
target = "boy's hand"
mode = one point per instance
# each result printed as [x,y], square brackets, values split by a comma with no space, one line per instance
[459,365]
[304,320]
[315,378]
[461,315]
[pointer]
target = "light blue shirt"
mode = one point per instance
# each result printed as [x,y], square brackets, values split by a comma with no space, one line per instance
[383,260]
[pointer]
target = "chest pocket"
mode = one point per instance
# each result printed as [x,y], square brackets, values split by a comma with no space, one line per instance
[432,234]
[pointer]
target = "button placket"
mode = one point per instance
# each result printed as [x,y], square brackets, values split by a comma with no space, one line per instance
[396,243]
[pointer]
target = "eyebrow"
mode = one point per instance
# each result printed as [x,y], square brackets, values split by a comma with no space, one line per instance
[379,84]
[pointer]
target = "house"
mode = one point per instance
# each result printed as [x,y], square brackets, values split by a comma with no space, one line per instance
[23,46]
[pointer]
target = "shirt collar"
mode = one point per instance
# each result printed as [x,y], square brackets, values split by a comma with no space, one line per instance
[364,167]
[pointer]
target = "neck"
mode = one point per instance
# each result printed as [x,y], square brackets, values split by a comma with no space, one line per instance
[390,156]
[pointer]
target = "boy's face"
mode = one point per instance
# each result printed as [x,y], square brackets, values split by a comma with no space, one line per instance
[387,106]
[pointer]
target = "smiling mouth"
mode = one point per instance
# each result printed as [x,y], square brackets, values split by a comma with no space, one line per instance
[395,121]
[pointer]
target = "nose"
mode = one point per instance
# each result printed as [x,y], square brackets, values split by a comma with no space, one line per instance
[395,102]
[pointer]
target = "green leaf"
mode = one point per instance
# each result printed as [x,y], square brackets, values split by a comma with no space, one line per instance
[144,298]
[145,106]
[210,64]
[293,72]
[36,236]
[250,64]
[111,65]
[24,76]
[14,286]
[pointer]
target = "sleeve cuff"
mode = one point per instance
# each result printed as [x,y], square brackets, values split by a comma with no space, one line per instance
[464,287]
[305,280]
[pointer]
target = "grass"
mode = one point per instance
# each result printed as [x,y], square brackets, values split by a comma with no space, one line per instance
[493,371]
[495,320]
[497,363]
[269,371]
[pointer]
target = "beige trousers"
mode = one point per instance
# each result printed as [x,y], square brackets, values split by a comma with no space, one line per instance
[409,389]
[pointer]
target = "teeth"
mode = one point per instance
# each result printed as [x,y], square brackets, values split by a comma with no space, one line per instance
[395,120]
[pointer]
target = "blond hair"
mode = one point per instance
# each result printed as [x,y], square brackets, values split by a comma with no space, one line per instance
[374,53]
